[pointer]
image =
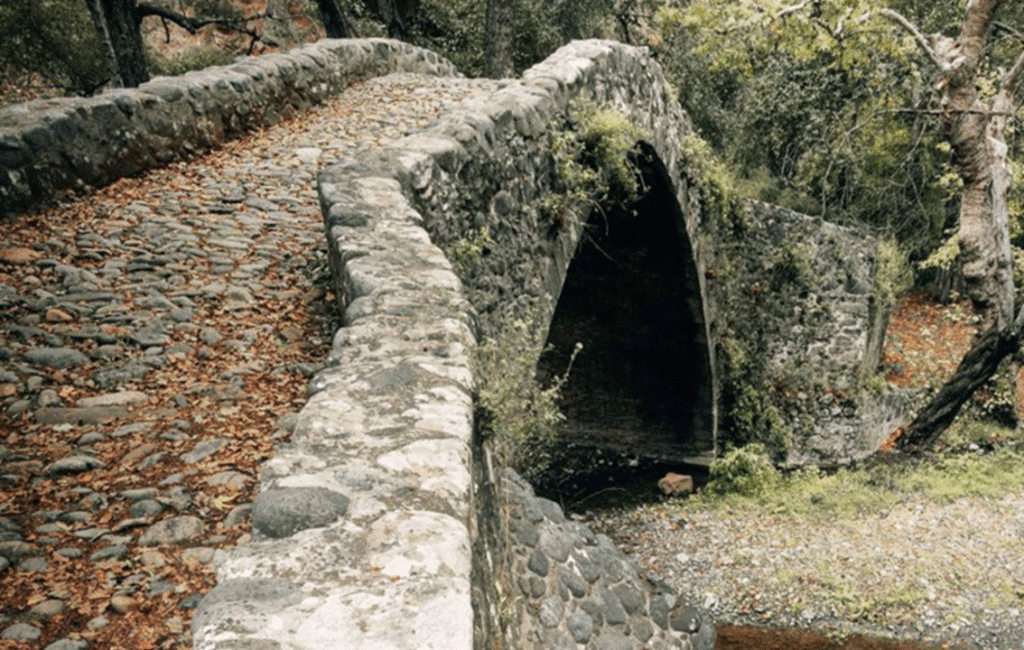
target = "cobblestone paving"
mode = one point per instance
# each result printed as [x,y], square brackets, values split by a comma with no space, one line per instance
[156,338]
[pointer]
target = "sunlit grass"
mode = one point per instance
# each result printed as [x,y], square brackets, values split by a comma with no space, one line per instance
[878,485]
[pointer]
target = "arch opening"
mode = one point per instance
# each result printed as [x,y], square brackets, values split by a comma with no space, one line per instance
[642,383]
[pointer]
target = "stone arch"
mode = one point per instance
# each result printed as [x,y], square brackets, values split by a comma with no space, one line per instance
[632,295]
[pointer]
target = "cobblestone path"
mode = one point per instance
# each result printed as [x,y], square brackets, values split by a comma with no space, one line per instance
[156,338]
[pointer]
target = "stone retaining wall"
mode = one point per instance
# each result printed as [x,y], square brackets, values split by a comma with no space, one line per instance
[50,146]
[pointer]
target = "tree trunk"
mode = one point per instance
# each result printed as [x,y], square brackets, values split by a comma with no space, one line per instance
[977,136]
[980,363]
[500,23]
[120,35]
[391,16]
[333,19]
[976,133]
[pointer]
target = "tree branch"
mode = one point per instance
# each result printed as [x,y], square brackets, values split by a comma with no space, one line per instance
[792,9]
[1011,79]
[191,25]
[921,39]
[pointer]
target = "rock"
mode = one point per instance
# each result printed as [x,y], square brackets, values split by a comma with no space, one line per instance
[178,530]
[47,608]
[73,465]
[122,604]
[133,457]
[203,450]
[34,565]
[58,315]
[59,358]
[122,398]
[21,632]
[68,644]
[92,415]
[145,508]
[281,512]
[673,484]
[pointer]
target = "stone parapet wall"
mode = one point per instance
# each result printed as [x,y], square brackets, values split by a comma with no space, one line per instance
[51,146]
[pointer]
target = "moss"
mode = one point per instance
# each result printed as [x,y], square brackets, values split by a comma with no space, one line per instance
[715,185]
[750,412]
[465,253]
[791,265]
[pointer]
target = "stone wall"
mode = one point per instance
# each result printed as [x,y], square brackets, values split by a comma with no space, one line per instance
[51,146]
[799,331]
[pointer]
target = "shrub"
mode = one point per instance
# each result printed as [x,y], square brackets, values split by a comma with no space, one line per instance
[746,471]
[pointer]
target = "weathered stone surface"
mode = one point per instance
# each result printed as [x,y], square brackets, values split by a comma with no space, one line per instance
[282,512]
[123,398]
[56,357]
[76,415]
[177,530]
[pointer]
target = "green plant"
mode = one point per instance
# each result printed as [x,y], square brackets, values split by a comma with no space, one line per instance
[791,265]
[465,253]
[593,156]
[746,471]
[893,274]
[56,40]
[513,409]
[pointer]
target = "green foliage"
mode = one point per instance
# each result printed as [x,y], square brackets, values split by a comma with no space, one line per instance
[513,409]
[593,158]
[893,274]
[791,265]
[746,471]
[714,183]
[750,414]
[55,39]
[814,119]
[866,491]
[465,253]
[456,28]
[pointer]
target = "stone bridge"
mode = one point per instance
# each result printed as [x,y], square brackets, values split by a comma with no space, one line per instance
[384,522]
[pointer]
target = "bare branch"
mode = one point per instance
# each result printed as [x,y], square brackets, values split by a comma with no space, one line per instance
[1008,29]
[921,39]
[1011,79]
[191,25]
[792,10]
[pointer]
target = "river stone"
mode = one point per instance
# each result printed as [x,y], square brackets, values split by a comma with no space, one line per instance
[73,465]
[122,398]
[177,530]
[59,358]
[68,644]
[21,632]
[581,626]
[282,512]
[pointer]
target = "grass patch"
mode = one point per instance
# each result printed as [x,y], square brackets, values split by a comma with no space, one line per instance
[872,488]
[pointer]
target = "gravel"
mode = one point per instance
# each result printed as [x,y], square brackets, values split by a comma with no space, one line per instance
[918,570]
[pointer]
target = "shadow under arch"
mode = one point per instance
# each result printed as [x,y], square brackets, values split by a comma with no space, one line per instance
[642,383]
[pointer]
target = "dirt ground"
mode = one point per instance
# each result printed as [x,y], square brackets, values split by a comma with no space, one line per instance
[753,638]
